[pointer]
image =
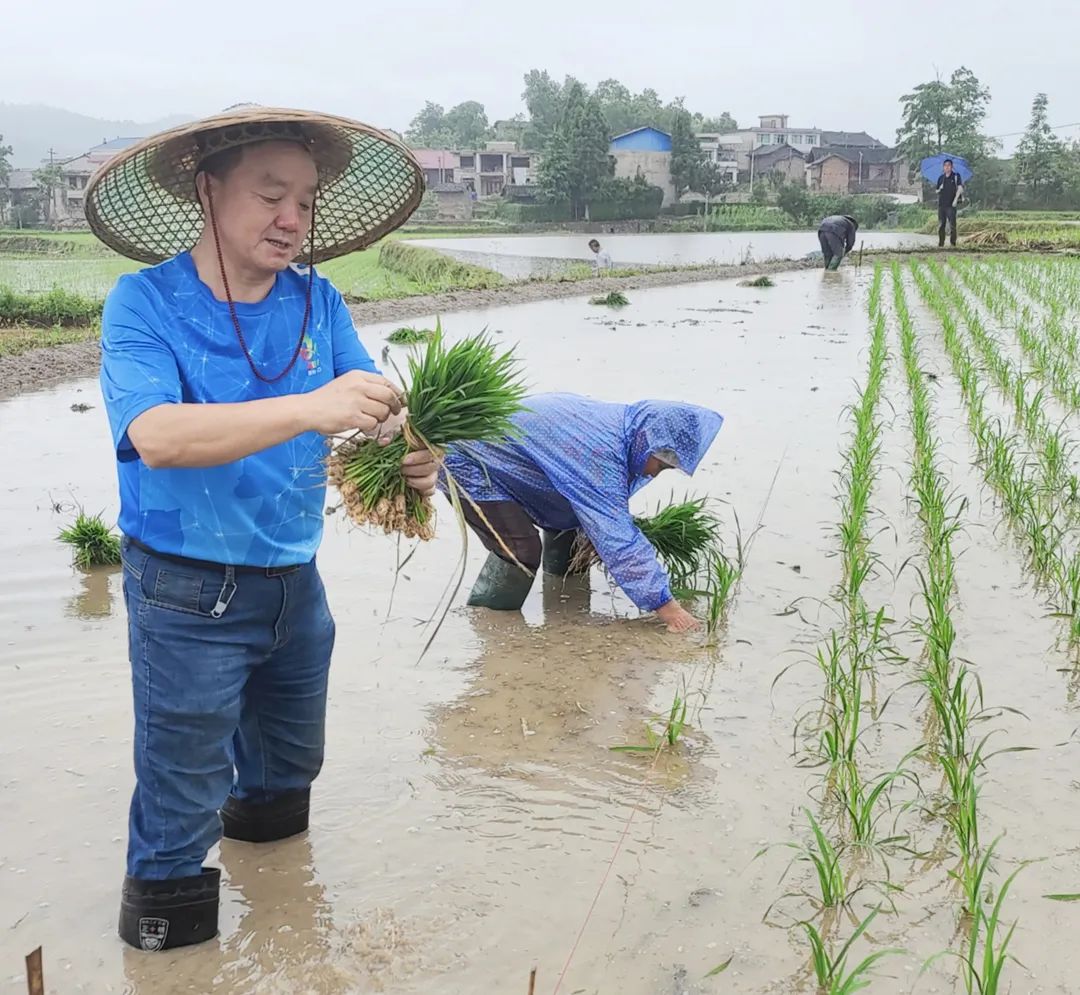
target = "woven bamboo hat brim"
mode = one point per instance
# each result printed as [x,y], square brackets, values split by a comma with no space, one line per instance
[143,203]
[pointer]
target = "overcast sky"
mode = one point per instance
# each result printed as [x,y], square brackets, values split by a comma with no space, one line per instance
[839,64]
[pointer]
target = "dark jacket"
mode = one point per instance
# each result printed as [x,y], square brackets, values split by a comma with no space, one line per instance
[842,225]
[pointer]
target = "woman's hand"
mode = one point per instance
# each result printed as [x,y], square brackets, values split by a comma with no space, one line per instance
[421,471]
[677,618]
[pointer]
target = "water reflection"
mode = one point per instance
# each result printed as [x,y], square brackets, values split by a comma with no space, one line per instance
[276,931]
[95,596]
[547,702]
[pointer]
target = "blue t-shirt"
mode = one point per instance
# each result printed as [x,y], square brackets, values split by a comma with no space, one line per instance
[165,339]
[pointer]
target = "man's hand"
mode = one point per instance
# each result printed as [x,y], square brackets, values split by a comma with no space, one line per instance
[677,618]
[355,400]
[420,470]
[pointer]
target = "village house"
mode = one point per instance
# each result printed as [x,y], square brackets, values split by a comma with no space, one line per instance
[723,150]
[485,172]
[454,202]
[858,169]
[645,152]
[22,199]
[68,199]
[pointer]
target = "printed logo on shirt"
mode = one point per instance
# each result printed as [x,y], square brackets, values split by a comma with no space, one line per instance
[308,355]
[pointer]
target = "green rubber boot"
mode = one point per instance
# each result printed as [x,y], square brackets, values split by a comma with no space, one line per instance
[558,551]
[834,263]
[501,586]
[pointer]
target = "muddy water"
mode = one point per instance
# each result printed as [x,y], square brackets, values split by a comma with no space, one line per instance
[522,256]
[470,802]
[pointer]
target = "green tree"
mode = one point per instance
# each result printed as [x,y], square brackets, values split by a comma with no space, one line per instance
[467,124]
[47,179]
[1039,162]
[428,129]
[724,123]
[576,161]
[686,154]
[794,201]
[941,116]
[543,99]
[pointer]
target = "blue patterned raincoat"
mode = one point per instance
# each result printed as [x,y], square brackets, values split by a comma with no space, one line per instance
[574,464]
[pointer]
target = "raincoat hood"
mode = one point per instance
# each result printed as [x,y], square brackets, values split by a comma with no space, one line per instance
[684,429]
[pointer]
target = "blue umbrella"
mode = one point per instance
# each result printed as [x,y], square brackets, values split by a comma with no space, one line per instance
[932,167]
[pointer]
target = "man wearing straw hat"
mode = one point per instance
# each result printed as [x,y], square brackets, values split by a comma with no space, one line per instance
[225,367]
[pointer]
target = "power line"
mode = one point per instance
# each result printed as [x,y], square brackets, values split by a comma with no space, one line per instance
[1057,127]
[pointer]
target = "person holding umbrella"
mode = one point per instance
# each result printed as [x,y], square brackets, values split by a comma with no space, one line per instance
[947,174]
[950,188]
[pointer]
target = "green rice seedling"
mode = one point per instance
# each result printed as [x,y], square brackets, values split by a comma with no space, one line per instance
[986,954]
[614,298]
[758,281]
[685,535]
[831,970]
[723,578]
[866,803]
[410,336]
[93,543]
[463,392]
[835,885]
[670,732]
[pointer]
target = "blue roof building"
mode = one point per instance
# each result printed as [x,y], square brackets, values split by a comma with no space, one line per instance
[642,140]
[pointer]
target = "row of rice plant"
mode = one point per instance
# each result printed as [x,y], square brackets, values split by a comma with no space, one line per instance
[1031,495]
[1056,486]
[953,690]
[1049,364]
[847,842]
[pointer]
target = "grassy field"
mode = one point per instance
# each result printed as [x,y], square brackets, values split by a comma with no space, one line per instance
[15,341]
[1014,230]
[357,275]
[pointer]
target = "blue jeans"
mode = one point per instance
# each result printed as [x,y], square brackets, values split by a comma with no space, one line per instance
[229,672]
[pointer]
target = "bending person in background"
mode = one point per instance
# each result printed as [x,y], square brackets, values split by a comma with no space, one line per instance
[574,464]
[950,188]
[603,259]
[837,237]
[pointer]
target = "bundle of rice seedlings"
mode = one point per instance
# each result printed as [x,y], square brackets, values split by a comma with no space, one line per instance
[410,336]
[93,542]
[758,281]
[460,393]
[614,299]
[686,537]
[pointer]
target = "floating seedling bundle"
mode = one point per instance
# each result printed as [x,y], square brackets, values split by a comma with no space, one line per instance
[616,298]
[93,542]
[465,392]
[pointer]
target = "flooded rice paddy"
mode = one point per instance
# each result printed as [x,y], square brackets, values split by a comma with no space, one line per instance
[470,804]
[522,256]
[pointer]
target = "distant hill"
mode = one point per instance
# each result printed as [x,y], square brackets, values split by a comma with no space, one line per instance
[32,129]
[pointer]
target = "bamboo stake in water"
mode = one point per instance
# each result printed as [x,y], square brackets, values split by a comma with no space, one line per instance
[532,982]
[35,976]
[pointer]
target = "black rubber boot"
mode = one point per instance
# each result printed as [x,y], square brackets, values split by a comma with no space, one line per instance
[500,585]
[559,551]
[177,912]
[265,822]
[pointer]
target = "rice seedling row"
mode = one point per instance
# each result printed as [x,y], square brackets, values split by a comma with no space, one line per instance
[954,692]
[1057,488]
[1027,503]
[1048,364]
[855,804]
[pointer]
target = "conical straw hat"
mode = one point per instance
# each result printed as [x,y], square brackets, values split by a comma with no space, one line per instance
[143,204]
